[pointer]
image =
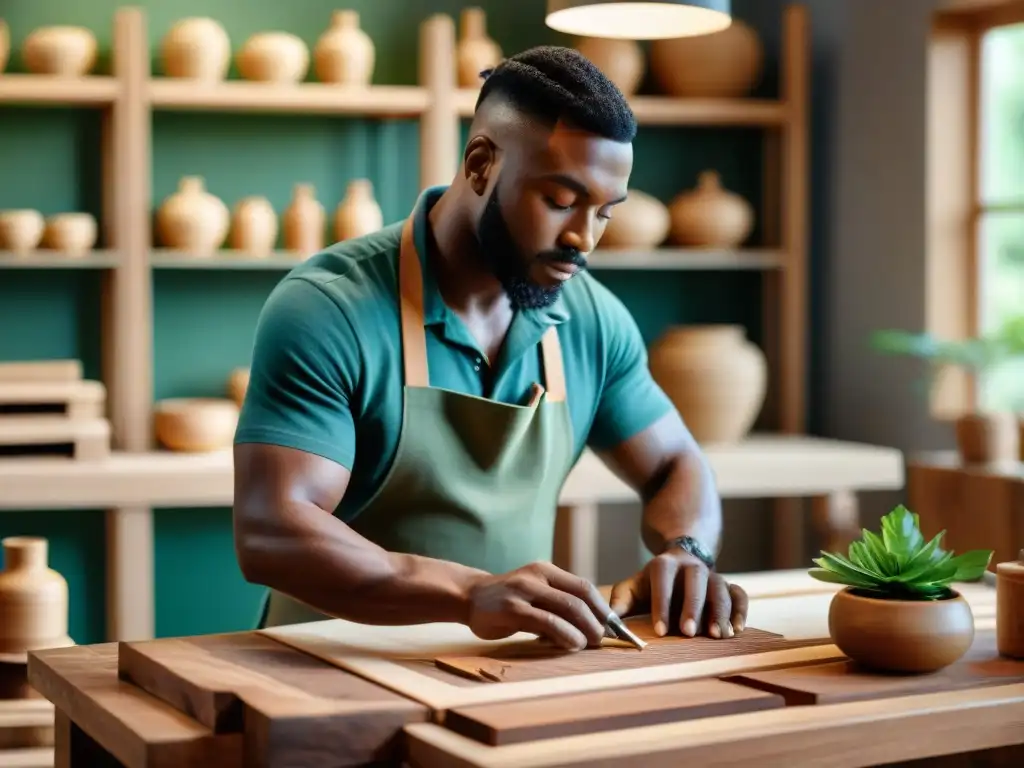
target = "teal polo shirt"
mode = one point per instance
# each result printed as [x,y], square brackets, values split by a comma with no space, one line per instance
[326,373]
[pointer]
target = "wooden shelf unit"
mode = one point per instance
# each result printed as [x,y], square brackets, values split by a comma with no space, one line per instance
[130,95]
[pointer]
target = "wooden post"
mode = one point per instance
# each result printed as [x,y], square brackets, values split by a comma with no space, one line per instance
[439,126]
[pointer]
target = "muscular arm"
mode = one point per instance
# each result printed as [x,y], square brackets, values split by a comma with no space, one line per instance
[286,538]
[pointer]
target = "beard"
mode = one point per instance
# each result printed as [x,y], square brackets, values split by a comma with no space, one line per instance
[511,267]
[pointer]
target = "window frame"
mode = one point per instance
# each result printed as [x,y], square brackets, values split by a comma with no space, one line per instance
[954,208]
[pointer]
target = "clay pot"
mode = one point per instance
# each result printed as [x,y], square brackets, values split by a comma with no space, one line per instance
[476,51]
[60,50]
[726,64]
[21,230]
[709,216]
[254,226]
[985,438]
[641,221]
[5,44]
[901,635]
[1010,608]
[196,424]
[344,54]
[238,383]
[71,233]
[273,57]
[33,599]
[358,213]
[304,222]
[715,377]
[622,61]
[192,219]
[196,48]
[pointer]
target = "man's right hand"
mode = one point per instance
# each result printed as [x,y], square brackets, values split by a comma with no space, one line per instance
[540,598]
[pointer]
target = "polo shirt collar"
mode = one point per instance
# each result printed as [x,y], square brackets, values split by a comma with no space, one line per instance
[435,311]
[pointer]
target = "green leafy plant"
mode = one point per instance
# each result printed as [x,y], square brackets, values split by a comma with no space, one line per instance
[899,564]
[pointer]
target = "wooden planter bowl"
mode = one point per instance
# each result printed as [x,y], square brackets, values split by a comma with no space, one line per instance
[195,425]
[901,635]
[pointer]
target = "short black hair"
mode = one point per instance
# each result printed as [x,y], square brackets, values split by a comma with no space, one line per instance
[555,83]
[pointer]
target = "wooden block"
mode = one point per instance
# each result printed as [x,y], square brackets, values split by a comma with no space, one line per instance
[292,709]
[551,717]
[843,681]
[82,439]
[25,724]
[70,399]
[41,370]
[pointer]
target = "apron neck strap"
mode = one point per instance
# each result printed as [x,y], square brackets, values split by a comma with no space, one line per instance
[414,339]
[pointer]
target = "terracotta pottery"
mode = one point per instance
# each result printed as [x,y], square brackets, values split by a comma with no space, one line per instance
[196,48]
[59,50]
[358,213]
[726,64]
[238,383]
[33,599]
[641,221]
[5,44]
[986,438]
[716,378]
[709,216]
[273,57]
[344,54]
[195,424]
[622,61]
[910,636]
[304,222]
[21,231]
[254,226]
[476,51]
[192,219]
[1010,607]
[71,233]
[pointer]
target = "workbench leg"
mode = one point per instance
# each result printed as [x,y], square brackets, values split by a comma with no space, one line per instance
[74,748]
[836,520]
[576,540]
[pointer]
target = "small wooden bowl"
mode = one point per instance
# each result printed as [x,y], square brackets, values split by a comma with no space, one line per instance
[195,424]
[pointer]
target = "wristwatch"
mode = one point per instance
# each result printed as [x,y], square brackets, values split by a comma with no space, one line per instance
[691,546]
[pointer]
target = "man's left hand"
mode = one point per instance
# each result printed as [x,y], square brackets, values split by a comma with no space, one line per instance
[682,593]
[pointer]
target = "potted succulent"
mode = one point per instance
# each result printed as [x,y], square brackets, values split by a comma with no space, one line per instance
[899,611]
[982,436]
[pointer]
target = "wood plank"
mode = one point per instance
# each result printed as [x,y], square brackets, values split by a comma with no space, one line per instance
[138,729]
[521,721]
[289,706]
[51,90]
[40,370]
[44,258]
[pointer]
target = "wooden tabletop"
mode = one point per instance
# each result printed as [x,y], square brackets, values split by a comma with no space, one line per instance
[335,693]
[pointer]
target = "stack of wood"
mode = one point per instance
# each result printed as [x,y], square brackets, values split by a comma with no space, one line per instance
[47,408]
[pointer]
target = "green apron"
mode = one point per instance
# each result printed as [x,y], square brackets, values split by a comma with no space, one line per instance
[474,481]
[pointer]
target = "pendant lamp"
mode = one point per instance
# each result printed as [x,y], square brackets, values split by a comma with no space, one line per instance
[638,19]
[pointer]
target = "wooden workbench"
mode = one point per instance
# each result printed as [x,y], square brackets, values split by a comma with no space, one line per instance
[255,700]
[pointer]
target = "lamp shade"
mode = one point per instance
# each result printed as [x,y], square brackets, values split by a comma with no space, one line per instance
[638,19]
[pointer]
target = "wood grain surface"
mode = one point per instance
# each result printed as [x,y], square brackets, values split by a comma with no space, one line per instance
[520,721]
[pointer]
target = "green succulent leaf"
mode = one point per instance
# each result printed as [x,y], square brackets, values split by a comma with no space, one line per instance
[971,565]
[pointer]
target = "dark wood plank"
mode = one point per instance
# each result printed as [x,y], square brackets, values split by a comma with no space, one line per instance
[844,681]
[532,719]
[291,708]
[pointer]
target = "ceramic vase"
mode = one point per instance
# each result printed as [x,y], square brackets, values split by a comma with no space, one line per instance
[344,54]
[238,384]
[5,45]
[254,226]
[726,64]
[273,57]
[641,221]
[196,48]
[716,378]
[33,598]
[304,222]
[985,438]
[358,213]
[21,230]
[476,51]
[71,233]
[710,216]
[903,636]
[192,219]
[63,51]
[622,61]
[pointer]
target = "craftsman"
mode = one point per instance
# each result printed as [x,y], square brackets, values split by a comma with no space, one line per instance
[400,461]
